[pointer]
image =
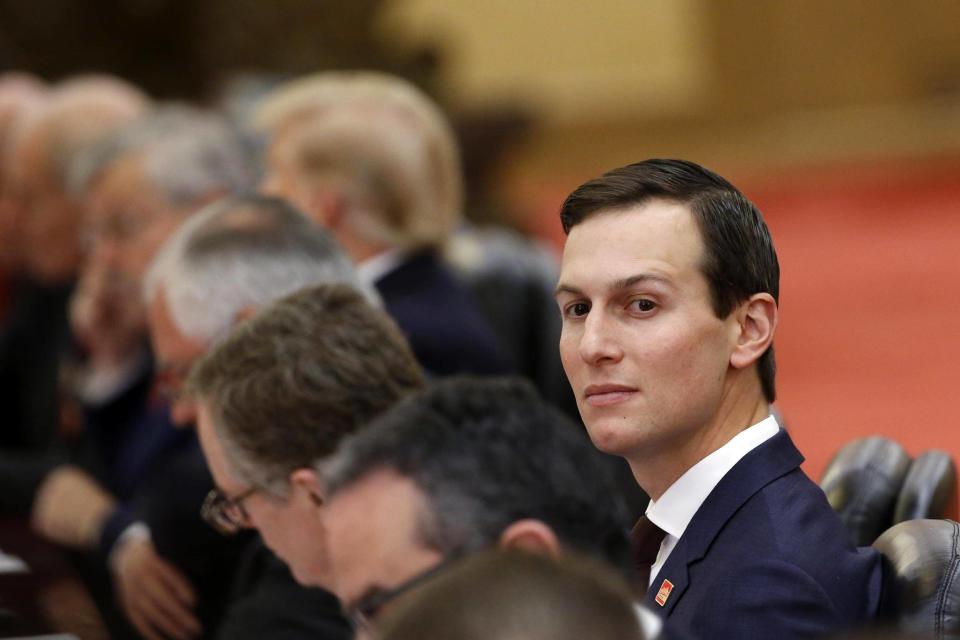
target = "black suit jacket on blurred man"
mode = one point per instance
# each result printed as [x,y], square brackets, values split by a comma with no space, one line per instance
[34,339]
[440,319]
[268,603]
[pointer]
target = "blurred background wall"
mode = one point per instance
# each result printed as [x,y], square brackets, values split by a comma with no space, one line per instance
[841,119]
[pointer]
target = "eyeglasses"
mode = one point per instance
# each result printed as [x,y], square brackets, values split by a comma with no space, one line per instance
[226,515]
[365,611]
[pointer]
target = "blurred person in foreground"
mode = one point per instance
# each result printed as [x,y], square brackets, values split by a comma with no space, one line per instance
[499,595]
[76,114]
[277,396]
[374,160]
[225,262]
[668,291]
[469,464]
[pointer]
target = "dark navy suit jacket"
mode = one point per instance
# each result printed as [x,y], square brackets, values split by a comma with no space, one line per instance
[766,557]
[440,319]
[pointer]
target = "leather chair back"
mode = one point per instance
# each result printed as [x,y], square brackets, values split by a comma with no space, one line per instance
[929,490]
[923,563]
[862,483]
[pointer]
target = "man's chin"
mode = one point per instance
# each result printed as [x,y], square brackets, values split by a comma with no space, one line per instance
[612,439]
[312,579]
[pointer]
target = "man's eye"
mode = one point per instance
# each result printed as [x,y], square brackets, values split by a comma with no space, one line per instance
[643,305]
[578,310]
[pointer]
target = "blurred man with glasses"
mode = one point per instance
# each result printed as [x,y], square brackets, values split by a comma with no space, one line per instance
[225,262]
[277,396]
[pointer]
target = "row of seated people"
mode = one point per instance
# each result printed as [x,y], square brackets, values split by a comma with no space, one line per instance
[325,424]
[96,178]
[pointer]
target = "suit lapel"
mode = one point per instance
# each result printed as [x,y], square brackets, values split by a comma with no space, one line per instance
[769,461]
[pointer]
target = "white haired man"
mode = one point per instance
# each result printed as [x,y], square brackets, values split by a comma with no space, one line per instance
[73,116]
[234,257]
[373,159]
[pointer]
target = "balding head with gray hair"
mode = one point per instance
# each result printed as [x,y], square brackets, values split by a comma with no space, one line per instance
[77,114]
[188,155]
[80,112]
[239,254]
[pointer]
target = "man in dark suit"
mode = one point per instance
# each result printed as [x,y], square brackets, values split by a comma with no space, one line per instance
[136,184]
[75,114]
[668,292]
[373,160]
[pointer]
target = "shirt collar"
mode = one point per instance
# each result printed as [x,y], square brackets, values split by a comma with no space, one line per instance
[681,501]
[372,269]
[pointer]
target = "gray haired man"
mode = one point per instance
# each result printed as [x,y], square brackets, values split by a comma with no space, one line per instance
[278,395]
[232,258]
[138,184]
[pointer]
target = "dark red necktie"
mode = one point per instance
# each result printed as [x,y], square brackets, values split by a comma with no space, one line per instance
[645,538]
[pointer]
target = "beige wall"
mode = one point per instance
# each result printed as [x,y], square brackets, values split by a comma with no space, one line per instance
[751,82]
[566,59]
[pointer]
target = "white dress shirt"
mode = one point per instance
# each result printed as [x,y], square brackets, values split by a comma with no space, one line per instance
[372,269]
[681,501]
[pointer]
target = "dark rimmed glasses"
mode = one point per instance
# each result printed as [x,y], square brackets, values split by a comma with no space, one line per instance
[226,515]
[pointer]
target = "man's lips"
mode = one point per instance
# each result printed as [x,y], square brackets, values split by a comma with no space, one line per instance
[603,395]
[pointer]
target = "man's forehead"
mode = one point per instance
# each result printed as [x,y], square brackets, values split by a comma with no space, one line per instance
[372,526]
[656,240]
[214,451]
[172,348]
[122,170]
[383,509]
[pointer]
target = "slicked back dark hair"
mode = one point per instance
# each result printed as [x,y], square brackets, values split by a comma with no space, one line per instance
[487,453]
[739,257]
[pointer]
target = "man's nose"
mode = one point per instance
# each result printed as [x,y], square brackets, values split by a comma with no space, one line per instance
[599,342]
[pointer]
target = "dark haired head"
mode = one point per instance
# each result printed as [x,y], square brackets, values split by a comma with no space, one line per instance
[487,453]
[739,258]
[525,596]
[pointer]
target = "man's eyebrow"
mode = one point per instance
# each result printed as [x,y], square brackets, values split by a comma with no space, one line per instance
[626,283]
[617,285]
[566,288]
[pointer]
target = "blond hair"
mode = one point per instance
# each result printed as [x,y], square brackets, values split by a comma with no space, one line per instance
[382,130]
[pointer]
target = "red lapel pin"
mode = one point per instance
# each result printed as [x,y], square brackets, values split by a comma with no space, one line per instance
[664,592]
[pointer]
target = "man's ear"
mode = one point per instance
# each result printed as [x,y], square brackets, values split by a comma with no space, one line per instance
[307,481]
[756,323]
[326,207]
[530,535]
